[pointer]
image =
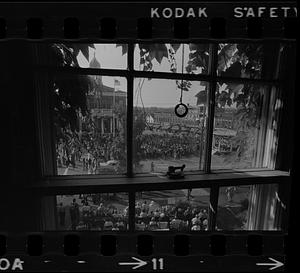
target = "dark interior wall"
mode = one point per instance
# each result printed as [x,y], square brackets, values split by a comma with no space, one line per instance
[287,153]
[19,146]
[286,141]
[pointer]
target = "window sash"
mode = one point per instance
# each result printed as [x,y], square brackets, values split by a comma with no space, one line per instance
[130,74]
[150,74]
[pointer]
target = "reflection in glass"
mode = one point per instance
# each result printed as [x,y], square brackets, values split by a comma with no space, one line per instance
[99,212]
[176,58]
[240,60]
[90,124]
[251,207]
[236,126]
[161,138]
[172,210]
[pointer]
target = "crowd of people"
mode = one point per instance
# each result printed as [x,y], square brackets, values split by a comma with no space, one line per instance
[88,151]
[174,146]
[87,215]
[109,212]
[151,216]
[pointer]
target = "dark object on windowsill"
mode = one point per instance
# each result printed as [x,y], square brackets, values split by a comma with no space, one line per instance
[175,172]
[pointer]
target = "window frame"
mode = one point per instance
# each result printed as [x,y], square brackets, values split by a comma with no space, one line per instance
[214,179]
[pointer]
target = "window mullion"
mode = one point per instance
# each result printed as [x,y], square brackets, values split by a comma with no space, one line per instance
[151,74]
[211,105]
[131,211]
[130,83]
[214,192]
[213,207]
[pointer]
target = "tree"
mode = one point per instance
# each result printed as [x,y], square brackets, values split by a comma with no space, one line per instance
[68,94]
[241,60]
[150,52]
[198,58]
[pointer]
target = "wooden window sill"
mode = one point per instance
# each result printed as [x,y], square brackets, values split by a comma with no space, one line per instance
[100,183]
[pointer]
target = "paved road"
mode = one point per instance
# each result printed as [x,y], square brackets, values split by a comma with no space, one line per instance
[191,163]
[160,165]
[78,170]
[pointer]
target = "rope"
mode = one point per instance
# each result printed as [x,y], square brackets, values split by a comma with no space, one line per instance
[182,73]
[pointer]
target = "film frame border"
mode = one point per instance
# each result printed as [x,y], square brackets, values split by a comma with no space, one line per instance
[167,20]
[35,26]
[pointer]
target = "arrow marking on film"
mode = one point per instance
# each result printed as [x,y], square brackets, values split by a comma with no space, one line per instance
[137,264]
[275,265]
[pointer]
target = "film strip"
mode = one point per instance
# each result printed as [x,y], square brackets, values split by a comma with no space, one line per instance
[122,201]
[154,21]
[148,252]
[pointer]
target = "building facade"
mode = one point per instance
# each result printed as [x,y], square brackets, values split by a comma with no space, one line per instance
[224,130]
[168,119]
[106,104]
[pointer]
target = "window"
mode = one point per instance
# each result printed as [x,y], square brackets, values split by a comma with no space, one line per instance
[90,140]
[112,122]
[95,212]
[236,207]
[160,137]
[174,210]
[236,126]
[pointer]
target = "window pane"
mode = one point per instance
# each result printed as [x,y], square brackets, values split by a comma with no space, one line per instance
[236,142]
[90,124]
[107,56]
[175,210]
[177,58]
[240,60]
[161,138]
[247,207]
[100,212]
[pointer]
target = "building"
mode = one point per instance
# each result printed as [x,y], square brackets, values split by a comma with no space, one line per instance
[224,125]
[166,117]
[104,102]
[224,130]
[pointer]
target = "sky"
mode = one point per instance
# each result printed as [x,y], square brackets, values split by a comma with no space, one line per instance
[154,92]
